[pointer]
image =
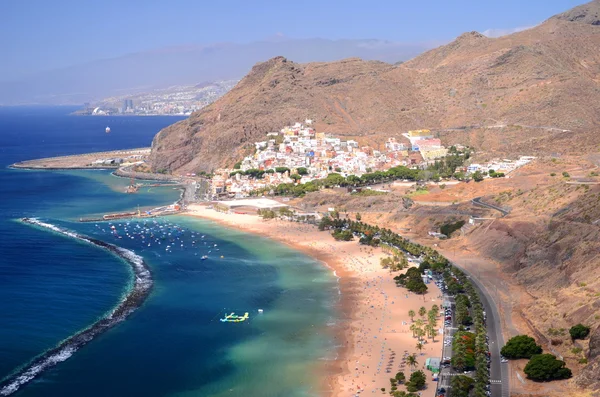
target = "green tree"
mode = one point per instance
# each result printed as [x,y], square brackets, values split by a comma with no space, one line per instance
[342,235]
[296,177]
[478,176]
[416,382]
[237,165]
[461,385]
[520,346]
[400,377]
[422,311]
[579,331]
[358,217]
[545,367]
[302,171]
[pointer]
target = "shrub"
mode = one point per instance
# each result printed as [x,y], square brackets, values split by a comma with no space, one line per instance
[566,174]
[520,346]
[449,228]
[579,331]
[545,367]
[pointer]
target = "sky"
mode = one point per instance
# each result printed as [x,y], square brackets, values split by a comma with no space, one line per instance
[38,35]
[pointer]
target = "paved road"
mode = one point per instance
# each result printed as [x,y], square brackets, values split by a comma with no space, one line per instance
[477,201]
[498,370]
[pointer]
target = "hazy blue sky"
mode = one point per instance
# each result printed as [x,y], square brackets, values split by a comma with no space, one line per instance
[45,34]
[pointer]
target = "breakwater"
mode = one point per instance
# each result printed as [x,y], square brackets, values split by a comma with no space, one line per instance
[138,293]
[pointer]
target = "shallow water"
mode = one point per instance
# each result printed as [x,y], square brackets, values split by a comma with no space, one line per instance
[52,286]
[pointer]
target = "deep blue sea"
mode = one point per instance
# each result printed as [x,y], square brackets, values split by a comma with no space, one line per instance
[52,286]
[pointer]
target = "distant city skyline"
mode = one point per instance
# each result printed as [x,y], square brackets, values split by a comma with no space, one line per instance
[36,35]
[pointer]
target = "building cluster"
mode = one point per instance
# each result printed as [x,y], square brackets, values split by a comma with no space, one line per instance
[504,166]
[177,100]
[422,141]
[314,155]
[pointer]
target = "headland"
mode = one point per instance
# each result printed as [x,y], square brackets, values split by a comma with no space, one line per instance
[99,160]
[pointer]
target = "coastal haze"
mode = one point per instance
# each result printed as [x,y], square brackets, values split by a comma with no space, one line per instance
[163,67]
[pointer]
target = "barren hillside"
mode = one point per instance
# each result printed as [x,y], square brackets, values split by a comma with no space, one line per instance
[514,94]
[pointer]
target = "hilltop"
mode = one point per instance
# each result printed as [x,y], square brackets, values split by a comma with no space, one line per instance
[532,92]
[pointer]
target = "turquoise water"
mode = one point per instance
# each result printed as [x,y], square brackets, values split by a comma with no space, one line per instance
[173,345]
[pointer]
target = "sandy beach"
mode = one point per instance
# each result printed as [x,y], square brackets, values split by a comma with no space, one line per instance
[374,331]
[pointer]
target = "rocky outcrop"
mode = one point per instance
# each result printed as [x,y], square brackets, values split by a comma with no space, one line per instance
[590,375]
[586,13]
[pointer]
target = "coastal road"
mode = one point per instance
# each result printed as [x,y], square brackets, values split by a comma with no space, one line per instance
[477,201]
[499,376]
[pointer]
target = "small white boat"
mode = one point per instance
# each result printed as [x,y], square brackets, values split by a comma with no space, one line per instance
[204,257]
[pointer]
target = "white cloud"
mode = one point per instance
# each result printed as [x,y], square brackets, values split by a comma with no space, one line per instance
[503,32]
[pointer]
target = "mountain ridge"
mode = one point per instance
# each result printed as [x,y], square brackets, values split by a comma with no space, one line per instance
[546,78]
[184,65]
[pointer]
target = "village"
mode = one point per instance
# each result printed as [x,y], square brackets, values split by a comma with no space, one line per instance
[299,154]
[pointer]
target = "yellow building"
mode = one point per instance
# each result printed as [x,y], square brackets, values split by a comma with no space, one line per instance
[433,154]
[418,133]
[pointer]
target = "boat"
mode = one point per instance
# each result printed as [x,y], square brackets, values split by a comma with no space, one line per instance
[204,257]
[234,318]
[107,130]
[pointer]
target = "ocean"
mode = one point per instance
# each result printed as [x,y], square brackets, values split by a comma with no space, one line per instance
[53,286]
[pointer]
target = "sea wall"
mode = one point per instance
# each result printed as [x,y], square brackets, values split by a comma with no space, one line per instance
[135,297]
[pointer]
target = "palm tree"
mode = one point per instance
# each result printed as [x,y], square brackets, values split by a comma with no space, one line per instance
[419,346]
[412,362]
[422,311]
[411,314]
[419,322]
[413,328]
[435,309]
[430,331]
[432,317]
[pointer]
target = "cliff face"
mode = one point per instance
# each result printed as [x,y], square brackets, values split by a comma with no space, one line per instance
[548,76]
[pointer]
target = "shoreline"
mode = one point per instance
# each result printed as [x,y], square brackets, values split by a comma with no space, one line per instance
[134,298]
[368,297]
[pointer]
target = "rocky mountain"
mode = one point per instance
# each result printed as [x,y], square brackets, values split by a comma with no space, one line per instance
[586,13]
[532,92]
